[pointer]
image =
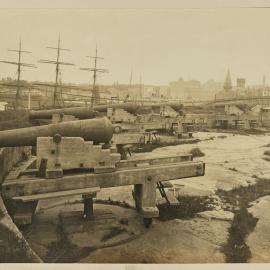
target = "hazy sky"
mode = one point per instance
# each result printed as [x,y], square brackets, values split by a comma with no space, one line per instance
[161,44]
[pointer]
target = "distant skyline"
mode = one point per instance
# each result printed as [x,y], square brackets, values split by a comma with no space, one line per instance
[160,45]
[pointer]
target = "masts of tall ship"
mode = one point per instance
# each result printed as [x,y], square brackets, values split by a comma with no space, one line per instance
[57,101]
[141,87]
[60,87]
[95,91]
[18,104]
[130,78]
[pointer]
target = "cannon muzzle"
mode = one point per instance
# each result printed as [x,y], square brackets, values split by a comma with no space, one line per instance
[99,130]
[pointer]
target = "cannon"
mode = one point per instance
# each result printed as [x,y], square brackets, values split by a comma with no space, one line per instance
[78,112]
[92,112]
[71,160]
[99,130]
[133,107]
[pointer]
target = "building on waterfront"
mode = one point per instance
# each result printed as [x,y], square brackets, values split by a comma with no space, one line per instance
[193,90]
[240,93]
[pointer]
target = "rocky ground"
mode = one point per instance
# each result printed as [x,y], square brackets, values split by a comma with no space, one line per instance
[259,240]
[233,163]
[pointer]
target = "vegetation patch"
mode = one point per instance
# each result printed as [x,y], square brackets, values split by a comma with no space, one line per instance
[233,169]
[113,233]
[266,155]
[63,251]
[236,249]
[196,152]
[188,207]
[222,137]
[209,139]
[267,145]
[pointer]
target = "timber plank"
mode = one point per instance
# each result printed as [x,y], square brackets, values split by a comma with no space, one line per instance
[16,171]
[153,161]
[58,194]
[171,198]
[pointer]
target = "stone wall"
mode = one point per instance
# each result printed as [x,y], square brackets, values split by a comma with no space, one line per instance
[9,156]
[13,246]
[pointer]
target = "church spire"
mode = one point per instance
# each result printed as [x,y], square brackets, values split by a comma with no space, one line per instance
[228,83]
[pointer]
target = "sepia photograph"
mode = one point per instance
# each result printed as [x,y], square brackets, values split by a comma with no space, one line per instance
[134,133]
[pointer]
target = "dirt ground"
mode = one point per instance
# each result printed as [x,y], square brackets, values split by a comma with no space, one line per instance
[58,234]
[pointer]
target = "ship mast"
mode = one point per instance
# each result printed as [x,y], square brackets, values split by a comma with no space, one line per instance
[56,99]
[19,64]
[96,71]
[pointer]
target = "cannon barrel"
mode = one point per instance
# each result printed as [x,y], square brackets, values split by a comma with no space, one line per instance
[79,112]
[133,107]
[98,130]
[92,112]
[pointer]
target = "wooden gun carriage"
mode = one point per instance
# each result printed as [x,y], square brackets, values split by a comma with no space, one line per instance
[74,158]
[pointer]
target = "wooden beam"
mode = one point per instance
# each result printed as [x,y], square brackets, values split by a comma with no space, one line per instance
[153,161]
[16,172]
[28,186]
[44,196]
[124,164]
